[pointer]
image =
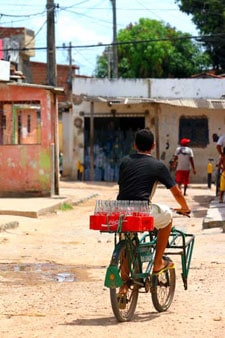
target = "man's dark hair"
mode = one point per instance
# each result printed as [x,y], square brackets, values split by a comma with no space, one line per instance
[144,139]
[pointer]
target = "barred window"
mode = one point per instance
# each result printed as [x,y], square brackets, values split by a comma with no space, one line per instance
[196,129]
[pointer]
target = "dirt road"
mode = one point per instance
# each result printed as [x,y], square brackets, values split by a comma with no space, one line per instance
[52,273]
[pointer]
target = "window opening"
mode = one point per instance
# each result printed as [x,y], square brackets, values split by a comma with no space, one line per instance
[113,138]
[196,129]
[20,122]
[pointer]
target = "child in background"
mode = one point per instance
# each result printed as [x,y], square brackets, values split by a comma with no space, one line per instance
[209,172]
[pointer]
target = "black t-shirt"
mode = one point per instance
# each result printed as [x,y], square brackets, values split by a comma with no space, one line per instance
[138,175]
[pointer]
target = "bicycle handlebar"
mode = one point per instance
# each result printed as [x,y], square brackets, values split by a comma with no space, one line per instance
[187,214]
[179,212]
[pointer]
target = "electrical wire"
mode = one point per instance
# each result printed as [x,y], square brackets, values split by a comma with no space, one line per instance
[199,38]
[86,14]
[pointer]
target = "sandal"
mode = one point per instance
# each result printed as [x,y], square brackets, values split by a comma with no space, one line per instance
[169,265]
[122,296]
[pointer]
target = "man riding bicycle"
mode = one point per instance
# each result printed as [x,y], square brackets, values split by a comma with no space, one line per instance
[138,177]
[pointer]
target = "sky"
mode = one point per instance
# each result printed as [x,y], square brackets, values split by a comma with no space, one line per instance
[87,22]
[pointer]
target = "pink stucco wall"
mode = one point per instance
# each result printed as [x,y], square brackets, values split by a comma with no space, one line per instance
[26,169]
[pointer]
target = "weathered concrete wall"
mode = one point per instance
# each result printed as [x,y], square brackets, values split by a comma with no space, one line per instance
[169,136]
[151,88]
[191,90]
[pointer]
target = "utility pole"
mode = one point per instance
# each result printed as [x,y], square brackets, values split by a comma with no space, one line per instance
[115,55]
[51,58]
[71,70]
[51,81]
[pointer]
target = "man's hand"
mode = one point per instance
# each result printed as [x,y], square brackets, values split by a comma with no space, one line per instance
[184,212]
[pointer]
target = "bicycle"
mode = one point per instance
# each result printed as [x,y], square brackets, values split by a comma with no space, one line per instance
[138,244]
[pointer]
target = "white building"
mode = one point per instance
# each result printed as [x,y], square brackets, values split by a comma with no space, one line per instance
[107,112]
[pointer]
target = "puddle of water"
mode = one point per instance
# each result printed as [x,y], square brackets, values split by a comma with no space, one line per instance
[65,277]
[37,272]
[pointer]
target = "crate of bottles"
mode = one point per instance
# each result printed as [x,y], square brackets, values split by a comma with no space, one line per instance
[122,216]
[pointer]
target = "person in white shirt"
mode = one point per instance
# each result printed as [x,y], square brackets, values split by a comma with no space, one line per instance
[220,144]
[183,161]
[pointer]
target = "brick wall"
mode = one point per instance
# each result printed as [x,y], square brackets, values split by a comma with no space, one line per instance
[39,76]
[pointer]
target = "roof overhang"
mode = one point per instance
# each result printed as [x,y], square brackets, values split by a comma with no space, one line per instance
[191,103]
[56,90]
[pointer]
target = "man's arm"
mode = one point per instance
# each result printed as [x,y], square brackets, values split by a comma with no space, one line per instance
[220,162]
[179,197]
[192,165]
[174,164]
[219,149]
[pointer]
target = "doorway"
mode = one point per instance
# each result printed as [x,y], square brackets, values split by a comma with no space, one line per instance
[113,139]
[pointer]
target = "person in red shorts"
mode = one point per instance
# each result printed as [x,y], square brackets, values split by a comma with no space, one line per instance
[184,161]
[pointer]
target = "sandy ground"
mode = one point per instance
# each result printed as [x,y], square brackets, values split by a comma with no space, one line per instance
[52,278]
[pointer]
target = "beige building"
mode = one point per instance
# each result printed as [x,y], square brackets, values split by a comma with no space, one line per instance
[107,112]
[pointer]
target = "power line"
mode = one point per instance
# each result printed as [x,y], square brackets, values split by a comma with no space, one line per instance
[200,38]
[21,16]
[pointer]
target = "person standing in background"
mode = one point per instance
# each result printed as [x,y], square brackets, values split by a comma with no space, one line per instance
[61,163]
[80,171]
[222,176]
[221,145]
[209,172]
[183,161]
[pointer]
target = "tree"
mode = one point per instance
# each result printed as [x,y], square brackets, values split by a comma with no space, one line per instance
[209,17]
[150,48]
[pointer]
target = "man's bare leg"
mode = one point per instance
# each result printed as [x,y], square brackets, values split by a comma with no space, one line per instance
[124,272]
[162,240]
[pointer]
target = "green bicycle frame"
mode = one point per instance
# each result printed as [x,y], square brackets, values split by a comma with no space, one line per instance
[142,250]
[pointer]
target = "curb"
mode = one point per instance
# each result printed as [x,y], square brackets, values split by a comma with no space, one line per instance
[209,223]
[215,217]
[53,208]
[35,214]
[84,199]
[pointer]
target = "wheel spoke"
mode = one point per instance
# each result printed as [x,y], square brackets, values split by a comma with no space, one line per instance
[163,288]
[124,311]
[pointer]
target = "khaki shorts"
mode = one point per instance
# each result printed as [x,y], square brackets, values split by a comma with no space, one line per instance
[162,215]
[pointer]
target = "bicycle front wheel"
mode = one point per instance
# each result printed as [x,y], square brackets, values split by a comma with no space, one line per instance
[163,289]
[124,309]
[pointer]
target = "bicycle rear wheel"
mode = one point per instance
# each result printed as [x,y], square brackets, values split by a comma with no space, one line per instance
[124,310]
[163,289]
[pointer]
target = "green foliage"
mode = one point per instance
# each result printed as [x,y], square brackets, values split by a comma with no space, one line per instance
[209,17]
[150,48]
[66,206]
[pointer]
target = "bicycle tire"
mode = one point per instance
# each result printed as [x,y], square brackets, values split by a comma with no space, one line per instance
[126,314]
[163,289]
